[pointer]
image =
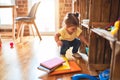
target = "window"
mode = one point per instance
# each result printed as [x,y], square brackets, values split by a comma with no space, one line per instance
[46,19]
[6,13]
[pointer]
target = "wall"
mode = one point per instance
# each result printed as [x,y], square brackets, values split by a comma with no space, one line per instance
[22,9]
[64,7]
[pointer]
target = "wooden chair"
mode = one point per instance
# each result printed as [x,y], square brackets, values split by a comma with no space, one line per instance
[29,21]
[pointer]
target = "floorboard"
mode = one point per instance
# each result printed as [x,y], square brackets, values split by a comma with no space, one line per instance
[21,61]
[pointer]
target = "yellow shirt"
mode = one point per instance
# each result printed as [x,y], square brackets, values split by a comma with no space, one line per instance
[66,36]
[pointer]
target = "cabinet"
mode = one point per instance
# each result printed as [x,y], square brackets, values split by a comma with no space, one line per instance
[100,13]
[101,49]
[85,31]
[104,49]
[104,53]
[115,70]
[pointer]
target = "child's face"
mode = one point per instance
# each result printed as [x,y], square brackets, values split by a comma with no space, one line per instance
[71,29]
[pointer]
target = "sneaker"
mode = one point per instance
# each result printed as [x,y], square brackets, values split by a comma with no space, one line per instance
[77,55]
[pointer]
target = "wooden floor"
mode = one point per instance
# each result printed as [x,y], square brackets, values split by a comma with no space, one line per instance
[21,62]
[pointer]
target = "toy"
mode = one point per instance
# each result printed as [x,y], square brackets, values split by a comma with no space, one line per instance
[11,44]
[87,50]
[83,76]
[116,27]
[102,76]
[0,44]
[108,27]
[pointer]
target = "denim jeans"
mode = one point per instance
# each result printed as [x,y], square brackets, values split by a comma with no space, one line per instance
[67,44]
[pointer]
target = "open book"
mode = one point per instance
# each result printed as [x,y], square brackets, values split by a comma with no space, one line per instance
[51,63]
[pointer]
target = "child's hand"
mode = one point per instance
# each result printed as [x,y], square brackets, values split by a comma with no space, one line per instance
[59,43]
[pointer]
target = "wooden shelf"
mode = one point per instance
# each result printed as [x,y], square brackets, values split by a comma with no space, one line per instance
[100,51]
[103,33]
[104,52]
[115,70]
[85,32]
[85,25]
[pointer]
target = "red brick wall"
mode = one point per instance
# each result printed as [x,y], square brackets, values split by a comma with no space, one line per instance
[22,9]
[64,7]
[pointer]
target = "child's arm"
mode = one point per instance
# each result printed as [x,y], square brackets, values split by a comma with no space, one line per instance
[58,41]
[83,39]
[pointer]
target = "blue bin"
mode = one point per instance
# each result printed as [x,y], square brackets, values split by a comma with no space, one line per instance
[83,76]
[104,75]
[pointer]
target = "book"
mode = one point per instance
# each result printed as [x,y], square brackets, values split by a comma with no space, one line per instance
[43,69]
[46,69]
[51,63]
[65,65]
[74,67]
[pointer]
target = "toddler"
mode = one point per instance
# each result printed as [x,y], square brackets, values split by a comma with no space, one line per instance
[70,35]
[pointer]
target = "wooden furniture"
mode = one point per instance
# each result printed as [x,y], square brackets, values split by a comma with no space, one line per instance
[100,13]
[28,21]
[82,6]
[104,10]
[100,50]
[105,53]
[13,16]
[85,31]
[115,70]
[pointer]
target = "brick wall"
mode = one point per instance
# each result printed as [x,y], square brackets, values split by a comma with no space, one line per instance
[64,7]
[22,9]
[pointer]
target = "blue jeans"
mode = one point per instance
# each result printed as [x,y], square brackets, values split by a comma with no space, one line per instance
[67,44]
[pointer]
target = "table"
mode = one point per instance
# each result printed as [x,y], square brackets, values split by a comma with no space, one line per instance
[13,16]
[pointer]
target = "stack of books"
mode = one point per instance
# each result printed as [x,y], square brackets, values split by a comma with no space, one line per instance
[51,64]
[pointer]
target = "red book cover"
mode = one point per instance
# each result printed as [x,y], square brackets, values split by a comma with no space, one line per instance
[51,63]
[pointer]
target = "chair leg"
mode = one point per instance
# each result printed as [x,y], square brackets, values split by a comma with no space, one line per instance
[22,32]
[13,31]
[19,30]
[37,31]
[31,28]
